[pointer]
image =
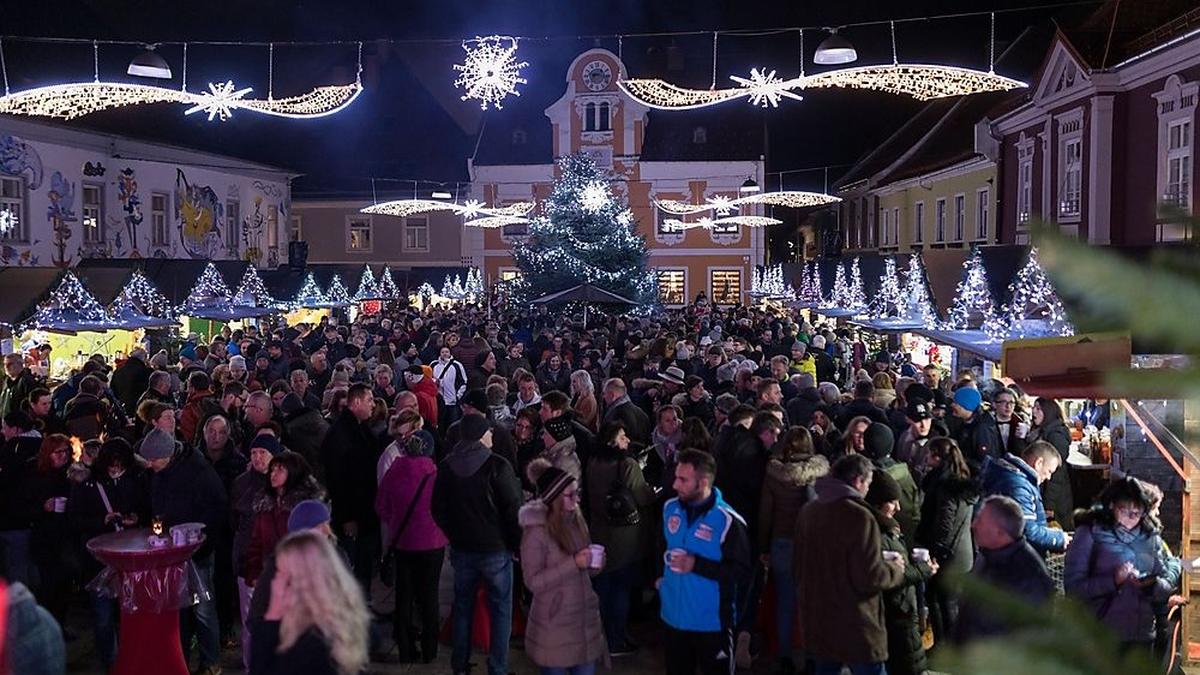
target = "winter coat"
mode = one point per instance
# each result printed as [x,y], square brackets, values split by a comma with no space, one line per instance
[309,655]
[741,469]
[563,628]
[350,454]
[427,401]
[636,421]
[16,511]
[1094,556]
[395,499]
[1012,477]
[1056,492]
[271,512]
[16,391]
[247,489]
[841,575]
[787,488]
[979,439]
[189,417]
[701,410]
[129,381]
[623,544]
[1016,569]
[188,490]
[562,456]
[475,500]
[50,541]
[304,432]
[859,407]
[32,639]
[906,655]
[129,495]
[587,412]
[910,496]
[86,416]
[548,380]
[800,409]
[945,527]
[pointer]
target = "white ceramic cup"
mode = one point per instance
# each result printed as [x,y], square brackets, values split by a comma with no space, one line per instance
[892,556]
[597,556]
[921,554]
[1022,429]
[60,504]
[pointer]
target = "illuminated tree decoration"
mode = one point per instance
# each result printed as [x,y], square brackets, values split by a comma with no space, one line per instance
[918,307]
[453,289]
[387,286]
[474,284]
[251,292]
[1034,307]
[756,283]
[8,221]
[337,295]
[922,82]
[816,294]
[490,73]
[69,305]
[367,290]
[210,292]
[310,294]
[805,283]
[68,101]
[839,295]
[856,297]
[426,291]
[574,243]
[139,296]
[889,302]
[973,305]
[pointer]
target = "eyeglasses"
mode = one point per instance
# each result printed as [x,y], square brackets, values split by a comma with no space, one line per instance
[1005,402]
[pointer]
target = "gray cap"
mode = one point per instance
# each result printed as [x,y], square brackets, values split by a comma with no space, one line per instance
[157,444]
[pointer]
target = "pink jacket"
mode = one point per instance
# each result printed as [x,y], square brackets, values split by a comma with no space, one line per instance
[396,493]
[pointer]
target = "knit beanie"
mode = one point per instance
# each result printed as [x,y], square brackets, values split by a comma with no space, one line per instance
[157,444]
[473,427]
[559,427]
[291,404]
[878,441]
[307,514]
[188,352]
[549,479]
[883,489]
[237,362]
[968,398]
[476,398]
[918,392]
[267,442]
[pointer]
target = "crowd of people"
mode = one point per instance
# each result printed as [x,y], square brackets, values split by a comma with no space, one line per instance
[756,485]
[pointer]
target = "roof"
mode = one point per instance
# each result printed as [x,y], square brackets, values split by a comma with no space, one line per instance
[897,144]
[24,288]
[174,277]
[1119,30]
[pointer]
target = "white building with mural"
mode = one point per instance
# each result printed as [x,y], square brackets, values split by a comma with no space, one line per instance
[68,195]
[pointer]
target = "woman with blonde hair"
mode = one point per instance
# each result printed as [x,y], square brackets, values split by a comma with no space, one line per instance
[316,622]
[564,634]
[885,391]
[583,400]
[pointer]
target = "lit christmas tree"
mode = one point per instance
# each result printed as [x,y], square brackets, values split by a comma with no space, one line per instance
[310,294]
[337,295]
[251,292]
[973,305]
[210,291]
[139,296]
[816,294]
[889,301]
[1035,307]
[805,282]
[367,290]
[856,297]
[756,283]
[474,285]
[387,286]
[425,291]
[839,296]
[69,304]
[918,307]
[585,236]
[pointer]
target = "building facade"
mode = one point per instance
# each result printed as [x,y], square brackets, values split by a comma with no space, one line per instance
[67,195]
[594,117]
[338,232]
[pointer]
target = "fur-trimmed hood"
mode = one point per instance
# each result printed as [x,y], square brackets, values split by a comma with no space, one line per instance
[533,514]
[309,489]
[799,473]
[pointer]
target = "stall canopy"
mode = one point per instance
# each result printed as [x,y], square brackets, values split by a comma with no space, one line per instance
[139,304]
[587,294]
[211,299]
[71,308]
[24,288]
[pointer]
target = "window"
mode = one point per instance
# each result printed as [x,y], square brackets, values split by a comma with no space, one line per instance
[983,209]
[159,234]
[870,236]
[509,274]
[12,202]
[596,117]
[960,216]
[1024,190]
[939,231]
[1176,105]
[672,286]
[297,232]
[896,226]
[1072,178]
[416,235]
[605,123]
[885,228]
[919,223]
[93,213]
[1179,164]
[660,223]
[851,224]
[233,224]
[699,136]
[358,235]
[725,287]
[272,226]
[589,117]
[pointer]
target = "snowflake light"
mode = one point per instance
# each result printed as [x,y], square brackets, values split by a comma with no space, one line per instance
[922,82]
[490,73]
[472,209]
[8,221]
[69,101]
[594,197]
[721,204]
[625,217]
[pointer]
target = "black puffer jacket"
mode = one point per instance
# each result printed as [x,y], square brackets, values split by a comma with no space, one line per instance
[1056,492]
[945,527]
[476,496]
[901,612]
[350,455]
[189,491]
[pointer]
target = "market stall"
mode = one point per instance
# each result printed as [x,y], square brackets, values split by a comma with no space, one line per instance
[210,305]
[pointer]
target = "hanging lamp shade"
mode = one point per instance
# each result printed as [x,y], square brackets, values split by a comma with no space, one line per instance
[150,64]
[835,50]
[750,185]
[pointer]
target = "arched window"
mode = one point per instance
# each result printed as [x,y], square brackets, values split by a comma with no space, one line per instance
[589,117]
[605,122]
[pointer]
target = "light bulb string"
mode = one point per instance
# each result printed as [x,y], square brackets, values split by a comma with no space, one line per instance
[714,61]
[358,72]
[895,57]
[801,52]
[3,67]
[183,86]
[992,45]
[95,61]
[271,72]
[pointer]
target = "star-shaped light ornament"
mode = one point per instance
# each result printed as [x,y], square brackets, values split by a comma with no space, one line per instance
[765,88]
[472,208]
[722,204]
[219,100]
[593,197]
[8,221]
[490,72]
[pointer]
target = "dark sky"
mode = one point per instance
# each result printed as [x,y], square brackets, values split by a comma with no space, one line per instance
[409,123]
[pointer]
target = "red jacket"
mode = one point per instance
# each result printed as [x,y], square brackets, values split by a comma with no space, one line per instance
[192,413]
[426,391]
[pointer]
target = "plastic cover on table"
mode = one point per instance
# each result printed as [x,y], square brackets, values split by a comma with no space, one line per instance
[157,590]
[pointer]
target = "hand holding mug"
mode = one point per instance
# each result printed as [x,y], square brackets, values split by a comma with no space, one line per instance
[583,558]
[1124,573]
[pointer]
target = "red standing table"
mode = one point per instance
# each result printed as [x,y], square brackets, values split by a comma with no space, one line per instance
[152,585]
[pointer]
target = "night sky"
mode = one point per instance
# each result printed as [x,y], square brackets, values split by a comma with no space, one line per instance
[409,123]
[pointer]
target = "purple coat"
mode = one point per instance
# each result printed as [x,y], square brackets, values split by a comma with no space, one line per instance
[396,493]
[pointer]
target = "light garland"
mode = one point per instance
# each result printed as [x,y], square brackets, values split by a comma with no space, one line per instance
[769,283]
[889,300]
[490,72]
[472,211]
[426,291]
[838,295]
[310,294]
[453,289]
[140,296]
[367,290]
[337,295]
[69,304]
[69,101]
[856,297]
[251,291]
[709,223]
[920,81]
[493,222]
[210,292]
[721,204]
[918,307]
[816,294]
[387,286]
[1033,298]
[474,284]
[973,302]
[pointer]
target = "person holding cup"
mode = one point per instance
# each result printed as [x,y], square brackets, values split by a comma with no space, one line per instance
[50,543]
[563,633]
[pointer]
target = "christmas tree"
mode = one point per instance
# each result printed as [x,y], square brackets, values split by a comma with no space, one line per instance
[251,292]
[387,286]
[918,307]
[585,236]
[367,290]
[889,299]
[310,294]
[973,305]
[1035,300]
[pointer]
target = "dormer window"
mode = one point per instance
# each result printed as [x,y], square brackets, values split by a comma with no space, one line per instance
[699,135]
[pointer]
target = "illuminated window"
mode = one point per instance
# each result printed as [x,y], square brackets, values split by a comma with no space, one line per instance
[510,274]
[358,235]
[159,235]
[672,286]
[983,209]
[297,228]
[416,235]
[12,201]
[725,287]
[1072,178]
[93,213]
[233,224]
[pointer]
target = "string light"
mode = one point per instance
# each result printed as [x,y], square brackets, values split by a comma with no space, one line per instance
[426,291]
[140,296]
[816,294]
[337,295]
[490,72]
[387,286]
[769,283]
[918,307]
[453,289]
[69,101]
[492,222]
[252,292]
[920,81]
[889,300]
[838,294]
[210,292]
[402,208]
[856,297]
[709,223]
[788,198]
[474,284]
[367,290]
[70,306]
[310,294]
[973,305]
[1034,307]
[8,221]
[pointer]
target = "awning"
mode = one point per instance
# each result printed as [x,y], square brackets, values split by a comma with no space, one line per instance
[974,341]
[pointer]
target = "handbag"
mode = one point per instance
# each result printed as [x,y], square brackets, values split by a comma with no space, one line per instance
[387,565]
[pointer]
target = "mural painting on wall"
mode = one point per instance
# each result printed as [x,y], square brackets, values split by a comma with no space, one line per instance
[269,207]
[253,227]
[131,206]
[200,213]
[18,158]
[61,213]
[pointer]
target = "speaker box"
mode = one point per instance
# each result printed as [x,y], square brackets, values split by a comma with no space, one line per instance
[297,254]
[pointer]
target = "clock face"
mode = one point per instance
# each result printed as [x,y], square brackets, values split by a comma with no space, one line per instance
[597,75]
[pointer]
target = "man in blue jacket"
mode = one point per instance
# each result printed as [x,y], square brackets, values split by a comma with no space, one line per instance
[1019,478]
[707,558]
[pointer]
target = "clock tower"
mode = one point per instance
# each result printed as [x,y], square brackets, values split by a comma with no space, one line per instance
[594,117]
